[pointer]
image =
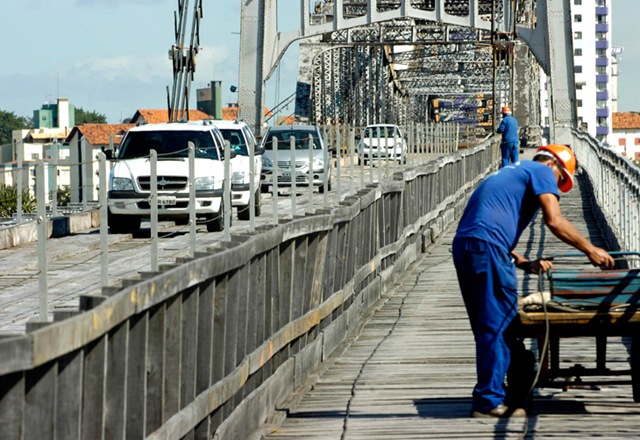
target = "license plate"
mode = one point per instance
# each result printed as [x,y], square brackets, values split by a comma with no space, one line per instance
[166,201]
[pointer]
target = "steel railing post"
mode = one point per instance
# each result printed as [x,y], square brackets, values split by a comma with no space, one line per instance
[153,203]
[42,239]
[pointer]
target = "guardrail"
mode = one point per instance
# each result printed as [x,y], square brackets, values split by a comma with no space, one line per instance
[212,343]
[615,183]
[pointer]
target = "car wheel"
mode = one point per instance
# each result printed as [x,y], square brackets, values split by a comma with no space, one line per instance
[123,224]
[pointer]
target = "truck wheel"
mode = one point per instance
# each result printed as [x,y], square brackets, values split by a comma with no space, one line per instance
[215,222]
[243,212]
[123,224]
[258,203]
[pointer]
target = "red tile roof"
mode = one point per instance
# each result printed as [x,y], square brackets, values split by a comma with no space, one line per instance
[230,113]
[98,134]
[151,116]
[626,120]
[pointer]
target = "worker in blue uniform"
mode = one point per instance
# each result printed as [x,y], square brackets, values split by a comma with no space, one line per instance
[497,213]
[509,130]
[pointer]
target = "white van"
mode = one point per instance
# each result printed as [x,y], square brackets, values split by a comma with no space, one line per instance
[243,142]
[129,181]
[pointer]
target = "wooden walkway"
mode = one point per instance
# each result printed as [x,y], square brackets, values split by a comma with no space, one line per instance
[410,372]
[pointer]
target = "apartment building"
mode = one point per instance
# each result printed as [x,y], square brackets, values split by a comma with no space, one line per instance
[593,73]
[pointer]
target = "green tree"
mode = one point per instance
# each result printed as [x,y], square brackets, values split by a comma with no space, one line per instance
[87,117]
[9,122]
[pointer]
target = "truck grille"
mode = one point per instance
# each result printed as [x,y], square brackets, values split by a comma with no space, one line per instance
[165,183]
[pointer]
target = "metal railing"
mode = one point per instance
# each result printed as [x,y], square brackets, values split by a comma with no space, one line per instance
[616,188]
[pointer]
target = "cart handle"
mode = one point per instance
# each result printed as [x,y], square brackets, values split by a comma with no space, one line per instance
[580,254]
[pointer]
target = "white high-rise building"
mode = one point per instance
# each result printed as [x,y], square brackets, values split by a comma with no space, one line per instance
[592,61]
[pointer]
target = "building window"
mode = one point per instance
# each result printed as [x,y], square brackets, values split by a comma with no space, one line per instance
[601,103]
[579,102]
[637,141]
[601,36]
[602,122]
[577,18]
[622,142]
[577,69]
[546,120]
[577,52]
[577,35]
[35,156]
[601,53]
[601,3]
[577,2]
[601,70]
[601,19]
[601,87]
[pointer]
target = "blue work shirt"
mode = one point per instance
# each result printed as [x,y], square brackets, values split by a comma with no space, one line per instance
[505,203]
[509,129]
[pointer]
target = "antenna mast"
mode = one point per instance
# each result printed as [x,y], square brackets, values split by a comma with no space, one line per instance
[183,60]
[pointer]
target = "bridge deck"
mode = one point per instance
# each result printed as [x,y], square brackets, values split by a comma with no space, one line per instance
[410,372]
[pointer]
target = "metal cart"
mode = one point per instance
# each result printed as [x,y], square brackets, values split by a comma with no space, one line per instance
[586,303]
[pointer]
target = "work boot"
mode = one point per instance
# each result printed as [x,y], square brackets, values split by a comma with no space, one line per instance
[500,411]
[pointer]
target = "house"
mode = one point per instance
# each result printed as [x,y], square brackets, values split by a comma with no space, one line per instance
[625,137]
[147,116]
[84,142]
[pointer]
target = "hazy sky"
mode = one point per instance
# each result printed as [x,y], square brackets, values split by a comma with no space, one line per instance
[110,56]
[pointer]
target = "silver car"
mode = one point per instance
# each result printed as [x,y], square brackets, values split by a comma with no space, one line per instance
[316,162]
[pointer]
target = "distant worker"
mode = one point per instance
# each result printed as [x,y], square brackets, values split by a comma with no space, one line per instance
[496,215]
[509,145]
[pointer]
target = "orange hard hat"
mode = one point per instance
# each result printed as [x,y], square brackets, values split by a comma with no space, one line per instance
[567,161]
[506,109]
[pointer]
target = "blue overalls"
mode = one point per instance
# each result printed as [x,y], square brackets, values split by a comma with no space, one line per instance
[509,145]
[498,211]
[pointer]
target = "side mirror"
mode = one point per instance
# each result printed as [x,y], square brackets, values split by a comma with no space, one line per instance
[259,150]
[232,153]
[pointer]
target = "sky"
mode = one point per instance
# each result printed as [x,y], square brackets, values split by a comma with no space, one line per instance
[111,56]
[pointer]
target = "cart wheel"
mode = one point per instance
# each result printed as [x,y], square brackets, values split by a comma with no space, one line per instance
[520,377]
[635,368]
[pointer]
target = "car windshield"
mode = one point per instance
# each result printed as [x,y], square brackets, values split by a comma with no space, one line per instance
[301,139]
[168,144]
[372,132]
[236,140]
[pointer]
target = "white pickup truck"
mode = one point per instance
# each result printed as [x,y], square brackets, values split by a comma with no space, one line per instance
[129,181]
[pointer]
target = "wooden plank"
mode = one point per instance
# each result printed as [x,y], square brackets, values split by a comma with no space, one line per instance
[93,378]
[136,377]
[116,380]
[155,368]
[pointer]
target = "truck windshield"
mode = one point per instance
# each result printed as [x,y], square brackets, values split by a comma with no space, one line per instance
[168,144]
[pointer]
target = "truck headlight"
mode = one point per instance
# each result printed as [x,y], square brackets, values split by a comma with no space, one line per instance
[266,162]
[318,164]
[205,183]
[121,184]
[237,177]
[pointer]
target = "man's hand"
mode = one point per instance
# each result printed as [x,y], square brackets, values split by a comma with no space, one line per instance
[600,257]
[539,266]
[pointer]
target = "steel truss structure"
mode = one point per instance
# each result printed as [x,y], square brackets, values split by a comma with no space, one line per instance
[408,70]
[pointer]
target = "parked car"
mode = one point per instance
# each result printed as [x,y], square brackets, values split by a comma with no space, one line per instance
[301,134]
[243,141]
[385,141]
[129,181]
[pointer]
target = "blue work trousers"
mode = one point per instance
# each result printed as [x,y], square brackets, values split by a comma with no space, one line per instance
[488,283]
[509,152]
